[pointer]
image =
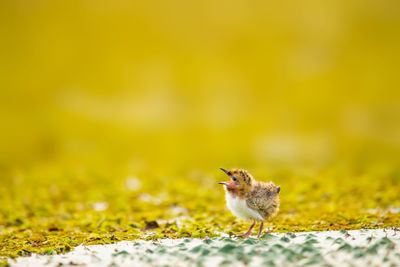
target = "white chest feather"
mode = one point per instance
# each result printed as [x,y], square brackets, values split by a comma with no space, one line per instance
[240,209]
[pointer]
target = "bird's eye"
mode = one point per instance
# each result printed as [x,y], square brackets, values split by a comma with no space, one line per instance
[234,178]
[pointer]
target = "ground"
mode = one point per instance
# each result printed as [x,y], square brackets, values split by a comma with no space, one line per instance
[328,248]
[45,210]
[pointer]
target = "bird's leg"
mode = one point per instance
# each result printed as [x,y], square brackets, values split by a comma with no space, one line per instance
[260,230]
[248,233]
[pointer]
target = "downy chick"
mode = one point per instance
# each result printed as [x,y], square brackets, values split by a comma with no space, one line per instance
[249,199]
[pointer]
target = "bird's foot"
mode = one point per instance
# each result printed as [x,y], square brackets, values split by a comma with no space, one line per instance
[245,235]
[259,235]
[268,231]
[248,233]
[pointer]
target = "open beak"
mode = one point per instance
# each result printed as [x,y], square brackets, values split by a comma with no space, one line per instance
[230,184]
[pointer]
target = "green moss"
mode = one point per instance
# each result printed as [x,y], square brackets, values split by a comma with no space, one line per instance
[45,211]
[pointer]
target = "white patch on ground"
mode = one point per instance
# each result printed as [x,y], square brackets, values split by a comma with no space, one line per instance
[393,210]
[100,206]
[133,183]
[331,248]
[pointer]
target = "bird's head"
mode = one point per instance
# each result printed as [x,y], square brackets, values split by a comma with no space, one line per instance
[240,181]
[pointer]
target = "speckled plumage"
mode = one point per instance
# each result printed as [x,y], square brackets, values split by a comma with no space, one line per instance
[264,198]
[250,199]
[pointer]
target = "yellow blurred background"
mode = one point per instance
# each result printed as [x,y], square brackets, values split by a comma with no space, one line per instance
[182,85]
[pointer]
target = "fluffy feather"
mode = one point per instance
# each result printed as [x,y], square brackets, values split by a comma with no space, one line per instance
[249,199]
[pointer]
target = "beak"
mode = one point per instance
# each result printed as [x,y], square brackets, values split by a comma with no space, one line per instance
[225,171]
[230,185]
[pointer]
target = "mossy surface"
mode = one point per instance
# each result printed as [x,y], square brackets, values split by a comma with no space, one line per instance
[45,210]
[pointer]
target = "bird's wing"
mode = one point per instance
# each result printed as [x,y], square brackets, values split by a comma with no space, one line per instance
[262,200]
[256,203]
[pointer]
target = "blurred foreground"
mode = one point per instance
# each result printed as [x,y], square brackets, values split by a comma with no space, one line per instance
[328,248]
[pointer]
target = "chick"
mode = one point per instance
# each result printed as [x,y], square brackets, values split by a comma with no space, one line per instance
[249,199]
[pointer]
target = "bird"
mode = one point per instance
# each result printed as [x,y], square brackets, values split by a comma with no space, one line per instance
[249,199]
